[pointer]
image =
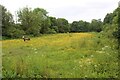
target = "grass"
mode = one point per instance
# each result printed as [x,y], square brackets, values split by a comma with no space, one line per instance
[68,55]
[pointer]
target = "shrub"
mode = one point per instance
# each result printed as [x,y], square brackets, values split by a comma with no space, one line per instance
[51,31]
[15,33]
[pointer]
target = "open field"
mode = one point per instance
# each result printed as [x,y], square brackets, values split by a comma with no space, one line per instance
[68,55]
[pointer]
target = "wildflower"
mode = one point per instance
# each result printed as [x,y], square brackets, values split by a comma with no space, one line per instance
[103,48]
[89,62]
[80,65]
[100,51]
[98,64]
[95,65]
[92,56]
[36,52]
[106,46]
[82,56]
[35,49]
[85,75]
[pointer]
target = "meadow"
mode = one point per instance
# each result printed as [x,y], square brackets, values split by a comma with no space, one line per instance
[67,55]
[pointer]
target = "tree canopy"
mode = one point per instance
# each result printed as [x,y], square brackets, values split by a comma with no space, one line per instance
[36,22]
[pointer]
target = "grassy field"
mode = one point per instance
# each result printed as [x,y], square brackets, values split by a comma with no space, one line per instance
[68,55]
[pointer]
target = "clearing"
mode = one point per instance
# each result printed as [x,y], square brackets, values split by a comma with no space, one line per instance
[68,55]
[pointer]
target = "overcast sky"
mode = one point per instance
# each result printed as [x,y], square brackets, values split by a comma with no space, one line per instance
[72,10]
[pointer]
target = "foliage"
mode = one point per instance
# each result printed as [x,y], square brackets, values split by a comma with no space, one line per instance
[32,20]
[118,31]
[45,26]
[15,33]
[80,26]
[7,20]
[108,18]
[63,25]
[113,24]
[53,22]
[96,25]
[51,31]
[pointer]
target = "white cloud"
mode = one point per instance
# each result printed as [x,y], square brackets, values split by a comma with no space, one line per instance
[69,9]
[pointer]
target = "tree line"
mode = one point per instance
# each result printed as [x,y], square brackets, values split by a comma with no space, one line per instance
[35,22]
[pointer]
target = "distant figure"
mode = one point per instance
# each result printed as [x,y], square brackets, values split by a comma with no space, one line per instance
[25,38]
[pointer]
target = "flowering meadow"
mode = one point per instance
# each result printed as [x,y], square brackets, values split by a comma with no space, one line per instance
[67,55]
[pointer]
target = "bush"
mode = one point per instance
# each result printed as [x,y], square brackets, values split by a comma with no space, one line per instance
[15,33]
[51,31]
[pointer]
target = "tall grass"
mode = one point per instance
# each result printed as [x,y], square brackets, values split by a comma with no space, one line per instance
[71,55]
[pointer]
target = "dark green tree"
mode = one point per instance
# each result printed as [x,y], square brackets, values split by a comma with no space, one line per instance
[45,26]
[7,20]
[74,26]
[63,25]
[118,31]
[53,26]
[96,25]
[80,26]
[108,18]
[0,22]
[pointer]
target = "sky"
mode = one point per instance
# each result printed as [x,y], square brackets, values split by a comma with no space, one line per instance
[72,10]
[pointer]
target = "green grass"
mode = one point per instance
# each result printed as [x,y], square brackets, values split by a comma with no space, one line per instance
[71,55]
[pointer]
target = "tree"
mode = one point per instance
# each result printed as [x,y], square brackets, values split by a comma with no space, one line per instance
[118,29]
[14,32]
[38,17]
[25,18]
[74,26]
[63,25]
[83,26]
[32,20]
[87,25]
[108,18]
[7,20]
[41,10]
[79,26]
[45,26]
[96,25]
[0,20]
[111,27]
[53,26]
